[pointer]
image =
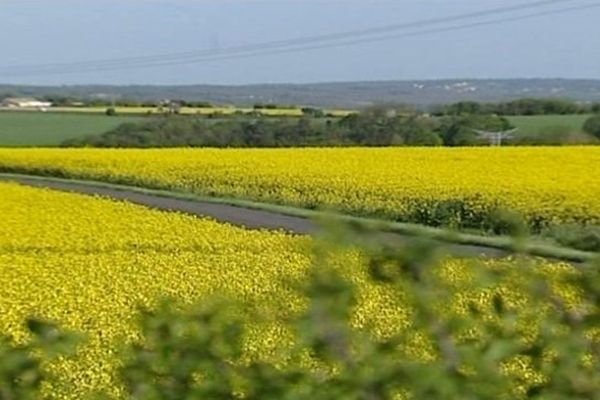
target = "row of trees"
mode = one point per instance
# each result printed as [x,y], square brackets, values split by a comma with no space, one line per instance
[378,126]
[375,127]
[519,107]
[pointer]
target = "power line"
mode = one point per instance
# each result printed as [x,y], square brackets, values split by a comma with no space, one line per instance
[293,45]
[301,40]
[372,39]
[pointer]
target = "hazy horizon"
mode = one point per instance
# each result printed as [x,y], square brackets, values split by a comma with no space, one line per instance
[558,46]
[297,83]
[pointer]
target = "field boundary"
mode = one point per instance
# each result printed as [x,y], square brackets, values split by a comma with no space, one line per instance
[499,243]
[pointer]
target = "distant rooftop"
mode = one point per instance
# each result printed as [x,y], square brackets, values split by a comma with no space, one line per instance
[24,102]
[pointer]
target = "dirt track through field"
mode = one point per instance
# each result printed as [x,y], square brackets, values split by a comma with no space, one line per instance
[245,217]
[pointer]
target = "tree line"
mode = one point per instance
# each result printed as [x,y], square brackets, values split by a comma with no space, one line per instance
[376,126]
[519,107]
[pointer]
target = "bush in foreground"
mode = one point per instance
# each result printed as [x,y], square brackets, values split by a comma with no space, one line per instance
[480,352]
[582,237]
[21,365]
[537,340]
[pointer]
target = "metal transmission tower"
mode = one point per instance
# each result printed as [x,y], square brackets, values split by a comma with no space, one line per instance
[496,138]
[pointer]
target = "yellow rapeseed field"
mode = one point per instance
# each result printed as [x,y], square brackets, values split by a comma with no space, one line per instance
[88,263]
[424,185]
[278,112]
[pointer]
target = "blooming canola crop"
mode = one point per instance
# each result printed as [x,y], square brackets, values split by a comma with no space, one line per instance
[461,186]
[89,263]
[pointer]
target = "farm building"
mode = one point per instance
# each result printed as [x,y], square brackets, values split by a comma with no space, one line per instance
[24,102]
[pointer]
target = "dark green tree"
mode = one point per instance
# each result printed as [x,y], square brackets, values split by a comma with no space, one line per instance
[592,126]
[460,130]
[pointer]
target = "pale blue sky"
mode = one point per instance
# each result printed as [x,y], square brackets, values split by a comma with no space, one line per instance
[46,31]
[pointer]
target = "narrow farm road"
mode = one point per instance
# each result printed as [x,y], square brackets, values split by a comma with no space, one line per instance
[252,219]
[245,217]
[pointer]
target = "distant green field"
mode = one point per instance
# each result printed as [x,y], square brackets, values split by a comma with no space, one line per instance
[50,129]
[531,125]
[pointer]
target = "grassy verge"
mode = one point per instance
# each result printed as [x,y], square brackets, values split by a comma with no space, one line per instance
[504,243]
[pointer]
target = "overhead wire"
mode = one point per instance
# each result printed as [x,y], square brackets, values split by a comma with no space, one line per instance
[342,39]
[306,39]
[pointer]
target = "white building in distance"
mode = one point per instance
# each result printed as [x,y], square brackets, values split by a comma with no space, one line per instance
[24,102]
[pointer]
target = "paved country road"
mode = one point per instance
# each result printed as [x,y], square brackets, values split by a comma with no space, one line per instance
[253,219]
[236,215]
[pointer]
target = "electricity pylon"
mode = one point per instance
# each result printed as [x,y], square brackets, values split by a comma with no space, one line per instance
[496,138]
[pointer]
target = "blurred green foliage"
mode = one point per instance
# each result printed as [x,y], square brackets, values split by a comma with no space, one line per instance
[197,352]
[21,365]
[484,350]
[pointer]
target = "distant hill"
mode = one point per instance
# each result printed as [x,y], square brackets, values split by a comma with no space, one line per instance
[341,94]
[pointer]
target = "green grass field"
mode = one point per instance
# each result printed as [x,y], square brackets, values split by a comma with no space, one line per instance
[50,129]
[531,125]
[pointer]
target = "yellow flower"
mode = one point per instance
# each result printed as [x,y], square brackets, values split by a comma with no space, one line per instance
[547,185]
[89,263]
